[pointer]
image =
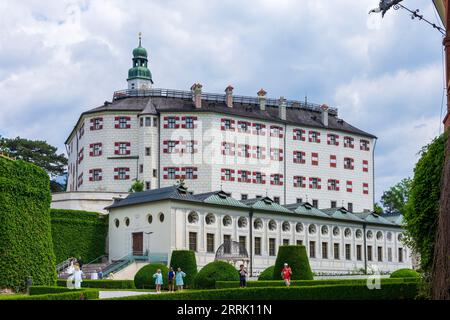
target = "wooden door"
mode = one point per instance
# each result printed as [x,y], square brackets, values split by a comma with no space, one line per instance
[138,244]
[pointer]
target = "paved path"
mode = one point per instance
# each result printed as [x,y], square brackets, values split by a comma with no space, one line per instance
[119,294]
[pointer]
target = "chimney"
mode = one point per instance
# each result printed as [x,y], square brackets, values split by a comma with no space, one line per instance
[196,90]
[262,99]
[229,96]
[324,112]
[282,108]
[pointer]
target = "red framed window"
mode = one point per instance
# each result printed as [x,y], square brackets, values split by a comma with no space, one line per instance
[299,157]
[122,148]
[171,173]
[81,131]
[122,173]
[95,175]
[314,159]
[189,173]
[365,188]
[299,134]
[122,122]
[244,126]
[228,149]
[227,124]
[189,146]
[189,122]
[349,163]
[332,139]
[299,182]
[259,129]
[365,166]
[171,122]
[349,186]
[333,185]
[276,179]
[276,154]
[349,142]
[259,152]
[80,155]
[95,149]
[315,183]
[364,145]
[276,131]
[227,175]
[314,136]
[244,150]
[96,123]
[259,177]
[80,179]
[333,161]
[244,176]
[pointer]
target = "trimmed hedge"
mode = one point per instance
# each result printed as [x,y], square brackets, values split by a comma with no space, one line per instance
[38,290]
[215,271]
[307,283]
[297,259]
[57,293]
[103,284]
[185,259]
[267,274]
[26,247]
[144,277]
[405,273]
[78,234]
[390,291]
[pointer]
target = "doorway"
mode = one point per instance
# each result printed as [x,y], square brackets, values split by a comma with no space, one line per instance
[138,244]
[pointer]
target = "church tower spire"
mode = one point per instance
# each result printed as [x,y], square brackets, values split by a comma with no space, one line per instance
[139,76]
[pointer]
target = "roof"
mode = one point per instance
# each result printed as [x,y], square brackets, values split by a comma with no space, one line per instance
[341,213]
[298,116]
[373,218]
[265,204]
[220,198]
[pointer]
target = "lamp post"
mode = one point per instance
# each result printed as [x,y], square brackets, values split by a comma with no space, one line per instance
[148,244]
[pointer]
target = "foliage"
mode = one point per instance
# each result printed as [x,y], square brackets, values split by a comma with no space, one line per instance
[405,273]
[422,210]
[144,277]
[137,186]
[308,283]
[78,234]
[389,291]
[57,293]
[37,152]
[397,196]
[267,274]
[185,259]
[103,284]
[378,209]
[215,271]
[26,247]
[297,259]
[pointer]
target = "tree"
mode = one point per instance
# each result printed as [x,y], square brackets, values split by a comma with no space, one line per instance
[37,152]
[397,196]
[422,210]
[378,209]
[137,186]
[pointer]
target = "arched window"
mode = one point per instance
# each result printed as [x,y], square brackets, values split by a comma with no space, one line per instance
[117,222]
[336,231]
[286,226]
[257,224]
[347,232]
[312,229]
[210,219]
[400,237]
[193,217]
[389,236]
[379,235]
[324,230]
[226,221]
[161,217]
[242,222]
[127,221]
[149,218]
[369,234]
[358,234]
[272,225]
[299,227]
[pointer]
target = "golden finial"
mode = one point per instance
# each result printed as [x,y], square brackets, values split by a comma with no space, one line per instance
[140,38]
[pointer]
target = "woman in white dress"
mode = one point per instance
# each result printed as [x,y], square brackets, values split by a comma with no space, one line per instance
[78,276]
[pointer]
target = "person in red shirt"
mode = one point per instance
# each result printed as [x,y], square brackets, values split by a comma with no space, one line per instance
[286,274]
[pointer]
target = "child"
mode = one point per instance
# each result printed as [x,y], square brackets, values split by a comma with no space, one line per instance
[171,277]
[286,274]
[243,276]
[158,280]
[78,276]
[179,279]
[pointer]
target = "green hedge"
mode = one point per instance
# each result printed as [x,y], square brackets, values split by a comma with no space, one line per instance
[57,293]
[390,291]
[306,283]
[38,290]
[267,274]
[88,228]
[405,273]
[297,259]
[185,259]
[144,277]
[103,284]
[26,247]
[215,271]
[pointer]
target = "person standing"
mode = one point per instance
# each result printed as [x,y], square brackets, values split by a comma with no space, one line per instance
[78,276]
[286,274]
[243,276]
[179,279]
[158,280]
[171,279]
[80,263]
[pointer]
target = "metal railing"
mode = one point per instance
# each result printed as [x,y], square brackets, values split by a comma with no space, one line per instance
[215,97]
[126,260]
[63,265]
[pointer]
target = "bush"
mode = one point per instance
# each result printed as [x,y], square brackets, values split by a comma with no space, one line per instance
[26,247]
[144,277]
[88,228]
[57,293]
[215,271]
[405,273]
[267,274]
[389,291]
[38,290]
[185,259]
[104,284]
[297,259]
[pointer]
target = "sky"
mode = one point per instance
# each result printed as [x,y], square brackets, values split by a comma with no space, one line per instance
[60,58]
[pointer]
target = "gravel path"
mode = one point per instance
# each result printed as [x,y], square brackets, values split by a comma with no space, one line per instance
[119,294]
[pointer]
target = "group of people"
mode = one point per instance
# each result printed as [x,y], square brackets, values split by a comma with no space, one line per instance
[75,271]
[174,278]
[286,274]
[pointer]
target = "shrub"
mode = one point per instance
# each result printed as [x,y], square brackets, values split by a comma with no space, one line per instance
[38,290]
[26,247]
[267,274]
[105,284]
[57,293]
[215,271]
[297,259]
[88,228]
[389,291]
[405,273]
[144,277]
[185,259]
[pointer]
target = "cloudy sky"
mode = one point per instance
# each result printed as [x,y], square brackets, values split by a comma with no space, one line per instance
[60,58]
